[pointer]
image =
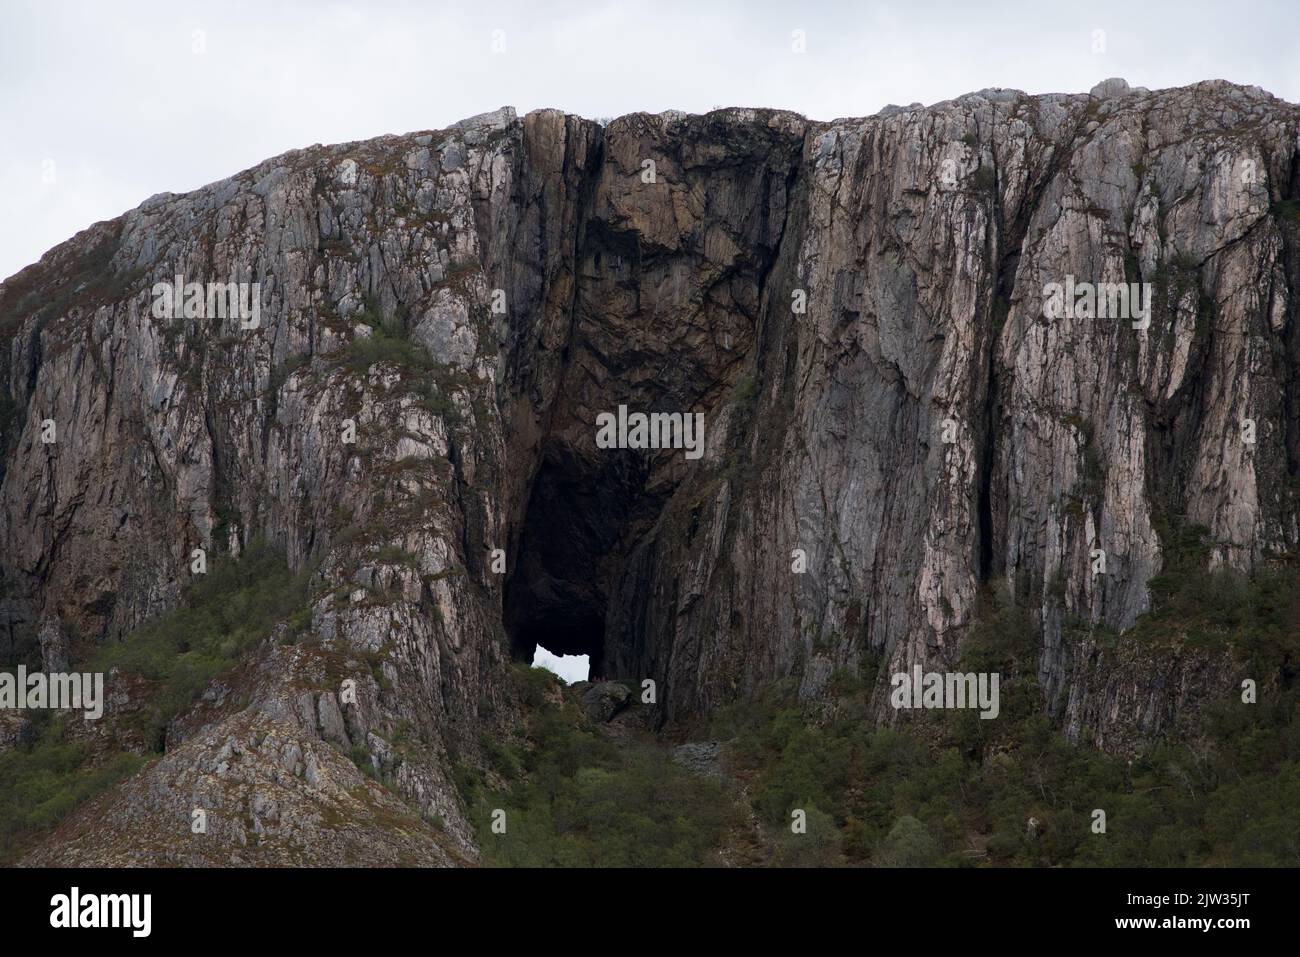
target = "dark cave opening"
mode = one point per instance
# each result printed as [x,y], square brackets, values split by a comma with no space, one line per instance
[578,513]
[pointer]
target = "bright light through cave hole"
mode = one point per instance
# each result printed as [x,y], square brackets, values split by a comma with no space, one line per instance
[569,667]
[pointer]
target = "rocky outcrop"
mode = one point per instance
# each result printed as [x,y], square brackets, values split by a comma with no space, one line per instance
[603,700]
[15,730]
[892,424]
[250,792]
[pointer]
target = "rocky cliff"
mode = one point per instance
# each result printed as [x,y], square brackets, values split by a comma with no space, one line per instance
[893,426]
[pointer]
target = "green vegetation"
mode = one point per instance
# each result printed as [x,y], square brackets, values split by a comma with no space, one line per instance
[948,788]
[281,374]
[1287,210]
[573,797]
[364,351]
[220,616]
[85,281]
[745,392]
[1174,280]
[1257,615]
[945,789]
[985,179]
[389,341]
[951,789]
[41,783]
[361,758]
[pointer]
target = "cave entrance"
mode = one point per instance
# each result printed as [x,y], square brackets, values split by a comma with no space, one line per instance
[578,513]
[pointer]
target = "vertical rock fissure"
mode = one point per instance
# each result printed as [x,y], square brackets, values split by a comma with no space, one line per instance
[1290,232]
[1006,252]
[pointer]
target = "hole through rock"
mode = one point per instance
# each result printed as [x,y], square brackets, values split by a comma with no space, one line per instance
[578,515]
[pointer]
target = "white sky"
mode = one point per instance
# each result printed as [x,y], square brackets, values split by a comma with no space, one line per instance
[569,667]
[110,102]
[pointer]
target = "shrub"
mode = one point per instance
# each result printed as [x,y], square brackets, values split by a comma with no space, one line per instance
[584,801]
[220,616]
[817,846]
[362,352]
[909,844]
[41,783]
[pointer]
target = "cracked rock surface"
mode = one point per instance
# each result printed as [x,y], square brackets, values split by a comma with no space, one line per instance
[855,306]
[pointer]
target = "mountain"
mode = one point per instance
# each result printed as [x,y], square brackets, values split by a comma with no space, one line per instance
[1038,349]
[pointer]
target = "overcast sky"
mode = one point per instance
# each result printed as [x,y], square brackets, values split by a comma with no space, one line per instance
[569,667]
[104,104]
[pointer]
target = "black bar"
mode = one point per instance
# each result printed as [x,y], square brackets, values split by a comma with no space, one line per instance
[986,908]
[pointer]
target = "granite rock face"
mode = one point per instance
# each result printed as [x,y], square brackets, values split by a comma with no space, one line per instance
[892,423]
